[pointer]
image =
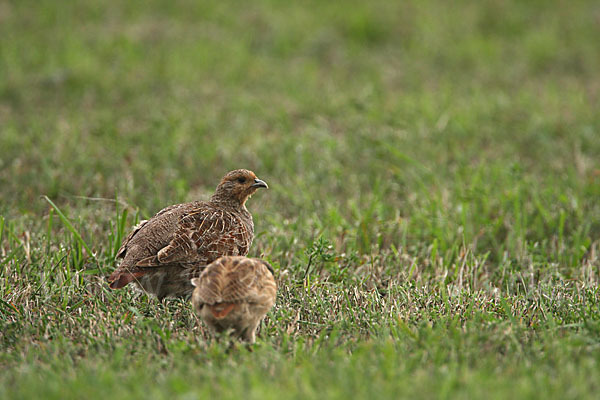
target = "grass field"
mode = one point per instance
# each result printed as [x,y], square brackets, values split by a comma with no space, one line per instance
[437,162]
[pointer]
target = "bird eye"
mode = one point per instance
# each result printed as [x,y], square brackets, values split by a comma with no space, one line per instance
[241,180]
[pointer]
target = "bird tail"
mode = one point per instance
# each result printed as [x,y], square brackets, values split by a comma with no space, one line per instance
[119,279]
[221,310]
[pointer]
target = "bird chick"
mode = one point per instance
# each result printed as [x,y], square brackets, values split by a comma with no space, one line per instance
[162,254]
[235,293]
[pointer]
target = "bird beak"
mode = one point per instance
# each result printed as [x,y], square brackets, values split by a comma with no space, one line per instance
[260,184]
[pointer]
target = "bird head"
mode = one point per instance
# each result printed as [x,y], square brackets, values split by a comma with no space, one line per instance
[237,186]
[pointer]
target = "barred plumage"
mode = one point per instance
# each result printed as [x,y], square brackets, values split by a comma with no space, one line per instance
[162,254]
[235,293]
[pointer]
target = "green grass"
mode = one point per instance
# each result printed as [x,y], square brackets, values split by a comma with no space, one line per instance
[433,213]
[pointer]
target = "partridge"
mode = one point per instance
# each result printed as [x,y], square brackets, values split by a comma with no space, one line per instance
[161,255]
[235,293]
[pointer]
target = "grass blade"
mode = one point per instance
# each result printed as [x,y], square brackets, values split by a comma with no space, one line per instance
[72,229]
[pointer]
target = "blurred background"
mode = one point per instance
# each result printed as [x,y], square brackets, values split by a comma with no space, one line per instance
[380,124]
[433,212]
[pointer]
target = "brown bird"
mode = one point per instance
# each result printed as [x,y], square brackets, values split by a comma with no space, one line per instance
[162,254]
[235,293]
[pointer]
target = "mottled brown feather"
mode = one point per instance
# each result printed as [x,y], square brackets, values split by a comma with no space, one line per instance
[162,254]
[123,249]
[235,293]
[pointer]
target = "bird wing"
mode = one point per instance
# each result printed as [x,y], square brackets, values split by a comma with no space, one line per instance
[203,235]
[209,285]
[234,280]
[123,249]
[249,281]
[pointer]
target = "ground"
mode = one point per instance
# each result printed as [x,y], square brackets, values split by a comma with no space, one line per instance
[433,215]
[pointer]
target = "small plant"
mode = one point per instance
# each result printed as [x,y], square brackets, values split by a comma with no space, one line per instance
[321,252]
